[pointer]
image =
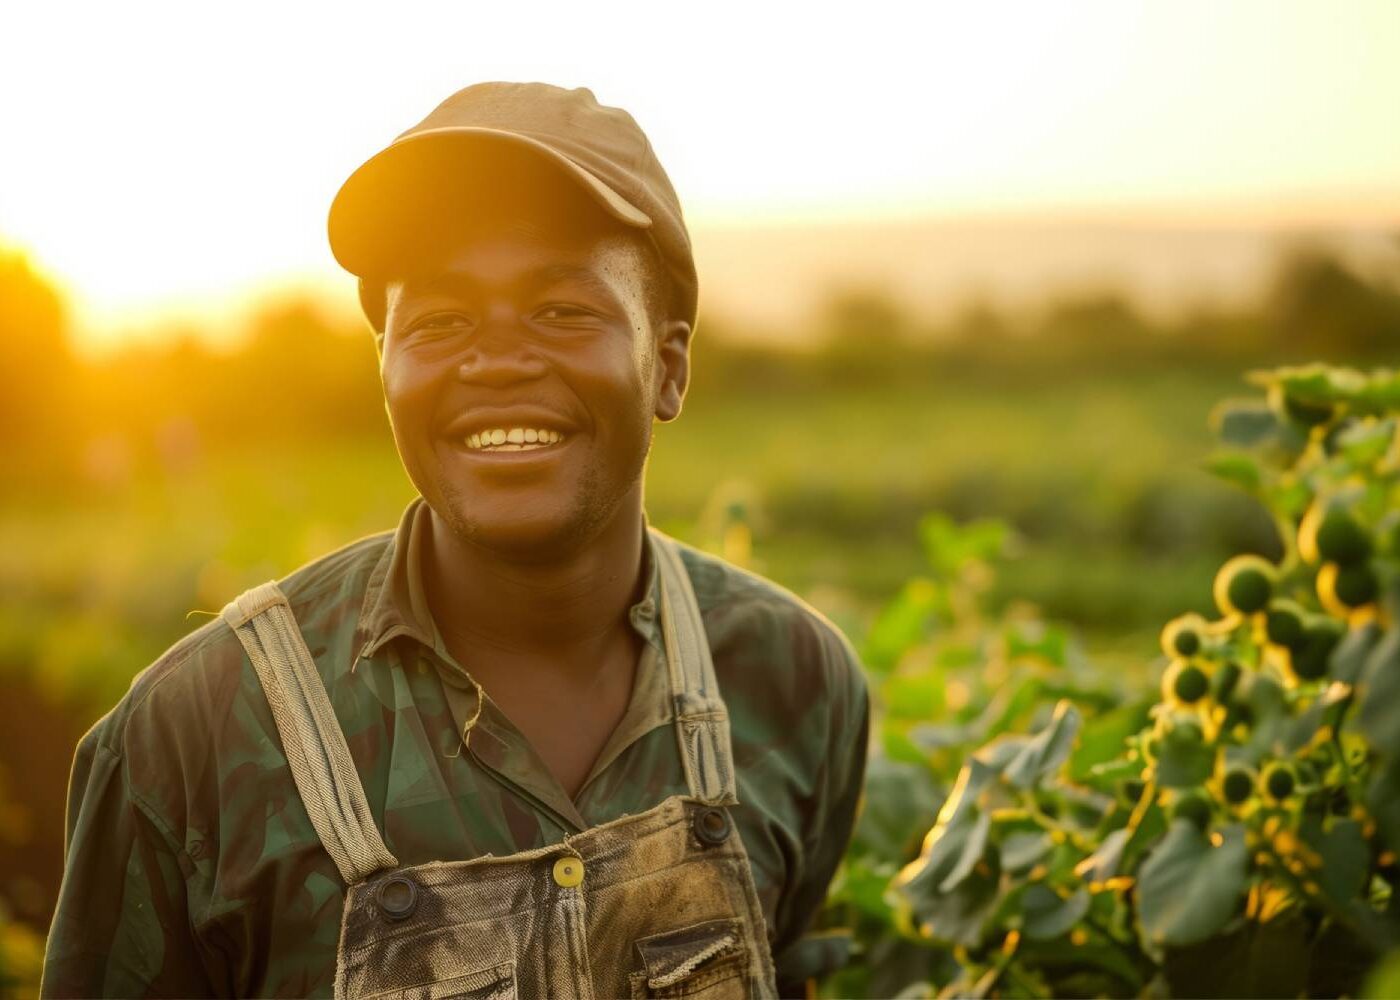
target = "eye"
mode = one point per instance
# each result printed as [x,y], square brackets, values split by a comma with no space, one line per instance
[564,313]
[441,322]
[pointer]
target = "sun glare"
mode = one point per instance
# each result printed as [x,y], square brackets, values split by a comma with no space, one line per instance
[169,158]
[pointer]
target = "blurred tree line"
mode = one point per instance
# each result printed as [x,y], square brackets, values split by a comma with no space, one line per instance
[299,373]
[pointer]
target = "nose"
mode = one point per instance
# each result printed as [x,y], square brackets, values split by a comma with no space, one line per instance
[499,354]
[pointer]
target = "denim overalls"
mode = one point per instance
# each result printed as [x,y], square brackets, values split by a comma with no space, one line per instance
[658,904]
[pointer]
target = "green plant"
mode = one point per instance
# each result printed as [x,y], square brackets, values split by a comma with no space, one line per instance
[1234,835]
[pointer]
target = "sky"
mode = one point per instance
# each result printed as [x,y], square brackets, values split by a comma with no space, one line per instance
[160,157]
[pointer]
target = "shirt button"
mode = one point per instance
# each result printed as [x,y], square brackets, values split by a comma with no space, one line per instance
[568,872]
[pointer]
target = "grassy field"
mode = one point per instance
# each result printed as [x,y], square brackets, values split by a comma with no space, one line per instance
[1112,539]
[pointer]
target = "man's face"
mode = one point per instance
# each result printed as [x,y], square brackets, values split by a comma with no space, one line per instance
[528,322]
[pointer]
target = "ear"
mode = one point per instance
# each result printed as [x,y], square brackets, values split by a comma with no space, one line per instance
[672,369]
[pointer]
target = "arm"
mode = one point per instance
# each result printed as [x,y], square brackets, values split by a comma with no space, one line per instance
[121,927]
[840,783]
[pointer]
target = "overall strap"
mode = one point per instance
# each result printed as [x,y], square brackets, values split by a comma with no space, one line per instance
[702,721]
[311,737]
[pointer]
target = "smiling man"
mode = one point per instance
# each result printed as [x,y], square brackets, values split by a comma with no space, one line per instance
[524,745]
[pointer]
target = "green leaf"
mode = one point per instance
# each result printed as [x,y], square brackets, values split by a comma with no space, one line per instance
[1238,469]
[1036,640]
[1324,711]
[1046,915]
[1022,851]
[904,622]
[1269,706]
[1252,960]
[896,744]
[861,883]
[950,546]
[1381,392]
[913,696]
[1351,654]
[1244,423]
[937,737]
[960,916]
[1384,983]
[1384,799]
[1089,970]
[1288,496]
[1183,762]
[1345,860]
[1044,754]
[961,829]
[1189,889]
[1106,862]
[1380,694]
[1365,442]
[899,800]
[973,848]
[1103,740]
[1318,383]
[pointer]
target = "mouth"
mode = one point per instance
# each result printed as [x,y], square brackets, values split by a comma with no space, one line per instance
[493,440]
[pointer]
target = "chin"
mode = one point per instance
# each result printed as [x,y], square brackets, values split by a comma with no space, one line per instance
[533,532]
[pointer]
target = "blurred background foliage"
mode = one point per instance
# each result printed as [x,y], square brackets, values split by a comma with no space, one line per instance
[169,475]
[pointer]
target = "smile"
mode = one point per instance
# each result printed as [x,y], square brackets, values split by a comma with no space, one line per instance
[512,439]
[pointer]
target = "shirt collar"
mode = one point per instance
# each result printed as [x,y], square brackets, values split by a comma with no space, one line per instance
[396,603]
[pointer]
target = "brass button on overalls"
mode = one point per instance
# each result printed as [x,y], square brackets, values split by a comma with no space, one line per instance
[568,872]
[397,897]
[711,826]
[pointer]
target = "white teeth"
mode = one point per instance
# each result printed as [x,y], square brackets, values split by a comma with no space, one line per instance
[513,439]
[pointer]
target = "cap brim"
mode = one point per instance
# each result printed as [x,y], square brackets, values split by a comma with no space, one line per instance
[363,207]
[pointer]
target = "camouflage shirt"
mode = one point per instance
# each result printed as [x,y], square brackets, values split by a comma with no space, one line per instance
[192,867]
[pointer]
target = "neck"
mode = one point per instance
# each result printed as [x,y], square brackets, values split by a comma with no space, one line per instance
[575,598]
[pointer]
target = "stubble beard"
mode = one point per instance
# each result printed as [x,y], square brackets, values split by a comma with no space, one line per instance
[590,511]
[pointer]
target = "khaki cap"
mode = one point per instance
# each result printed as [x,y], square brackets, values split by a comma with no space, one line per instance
[601,148]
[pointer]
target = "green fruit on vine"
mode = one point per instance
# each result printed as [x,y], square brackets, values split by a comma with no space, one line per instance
[1130,790]
[1341,539]
[1192,806]
[1186,731]
[1244,585]
[1237,785]
[1279,781]
[1311,658]
[1182,636]
[1331,441]
[1284,623]
[1226,679]
[1190,684]
[1350,586]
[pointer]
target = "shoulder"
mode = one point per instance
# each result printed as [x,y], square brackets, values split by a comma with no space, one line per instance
[181,703]
[766,629]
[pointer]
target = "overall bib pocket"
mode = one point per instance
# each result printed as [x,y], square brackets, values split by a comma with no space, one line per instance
[708,959]
[494,983]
